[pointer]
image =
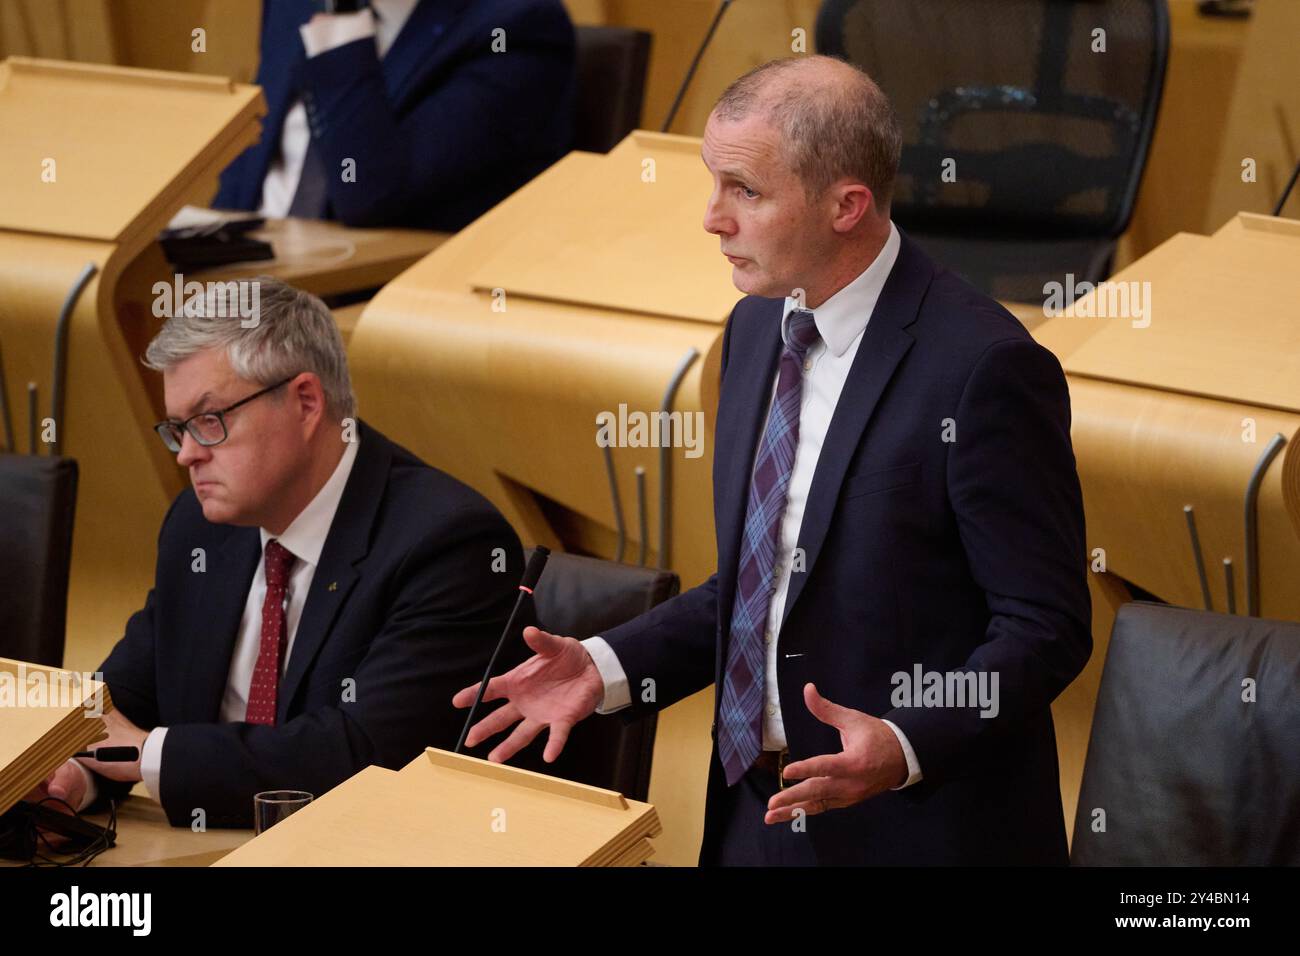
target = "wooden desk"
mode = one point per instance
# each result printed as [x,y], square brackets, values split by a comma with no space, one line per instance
[326,258]
[145,838]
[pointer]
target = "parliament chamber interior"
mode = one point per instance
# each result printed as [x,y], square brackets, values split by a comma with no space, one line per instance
[1055,448]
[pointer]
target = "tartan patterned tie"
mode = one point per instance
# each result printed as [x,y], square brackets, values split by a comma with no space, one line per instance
[740,718]
[275,636]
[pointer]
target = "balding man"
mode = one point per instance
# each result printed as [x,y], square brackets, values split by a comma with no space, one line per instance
[901,588]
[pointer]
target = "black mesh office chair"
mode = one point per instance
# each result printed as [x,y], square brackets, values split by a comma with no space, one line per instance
[38,498]
[612,64]
[579,597]
[1048,137]
[1194,757]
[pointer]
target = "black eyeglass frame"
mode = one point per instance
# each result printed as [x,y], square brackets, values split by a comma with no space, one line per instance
[165,432]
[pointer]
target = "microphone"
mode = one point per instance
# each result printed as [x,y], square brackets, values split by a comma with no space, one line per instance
[690,74]
[1286,193]
[531,574]
[111,754]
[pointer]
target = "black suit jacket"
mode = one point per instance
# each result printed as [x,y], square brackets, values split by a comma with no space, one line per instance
[442,128]
[407,602]
[963,554]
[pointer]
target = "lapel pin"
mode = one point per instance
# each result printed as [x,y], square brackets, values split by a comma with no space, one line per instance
[334,586]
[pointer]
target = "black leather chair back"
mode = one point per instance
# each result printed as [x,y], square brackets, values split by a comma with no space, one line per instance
[1194,757]
[580,597]
[612,64]
[38,499]
[1044,134]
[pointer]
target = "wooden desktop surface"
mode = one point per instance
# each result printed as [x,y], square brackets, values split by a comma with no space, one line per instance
[326,258]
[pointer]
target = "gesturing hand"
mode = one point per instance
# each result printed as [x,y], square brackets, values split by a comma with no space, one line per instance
[872,761]
[66,784]
[556,687]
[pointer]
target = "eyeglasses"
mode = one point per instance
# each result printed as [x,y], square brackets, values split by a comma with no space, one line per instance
[207,428]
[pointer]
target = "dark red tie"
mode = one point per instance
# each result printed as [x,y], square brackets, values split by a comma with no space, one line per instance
[275,636]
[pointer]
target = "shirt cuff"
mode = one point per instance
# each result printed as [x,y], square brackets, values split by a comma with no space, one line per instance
[617,695]
[913,765]
[151,762]
[325,31]
[92,788]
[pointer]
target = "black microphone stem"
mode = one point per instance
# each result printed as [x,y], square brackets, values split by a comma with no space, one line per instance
[1286,193]
[531,575]
[690,74]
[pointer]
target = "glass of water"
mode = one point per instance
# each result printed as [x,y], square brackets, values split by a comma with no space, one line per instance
[272,806]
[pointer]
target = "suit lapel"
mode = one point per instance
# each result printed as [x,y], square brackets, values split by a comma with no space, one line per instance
[415,50]
[883,345]
[220,608]
[739,429]
[336,574]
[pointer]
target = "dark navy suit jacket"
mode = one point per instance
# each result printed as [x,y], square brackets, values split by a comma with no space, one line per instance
[441,129]
[407,602]
[948,554]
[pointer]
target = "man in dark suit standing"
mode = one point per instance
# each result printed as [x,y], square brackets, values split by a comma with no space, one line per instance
[320,592]
[421,113]
[901,588]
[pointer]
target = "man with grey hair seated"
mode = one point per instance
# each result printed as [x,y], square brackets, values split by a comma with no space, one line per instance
[319,592]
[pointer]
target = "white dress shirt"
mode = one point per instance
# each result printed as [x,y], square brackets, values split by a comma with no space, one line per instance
[304,538]
[325,32]
[840,321]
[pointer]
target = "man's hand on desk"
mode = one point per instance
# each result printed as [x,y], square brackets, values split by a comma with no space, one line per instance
[67,784]
[71,783]
[555,688]
[872,762]
[121,733]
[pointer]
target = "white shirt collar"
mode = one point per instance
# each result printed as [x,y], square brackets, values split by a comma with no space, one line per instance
[842,317]
[306,534]
[391,16]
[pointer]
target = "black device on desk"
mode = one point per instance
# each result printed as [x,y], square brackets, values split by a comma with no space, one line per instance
[21,826]
[191,248]
[1231,9]
[21,837]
